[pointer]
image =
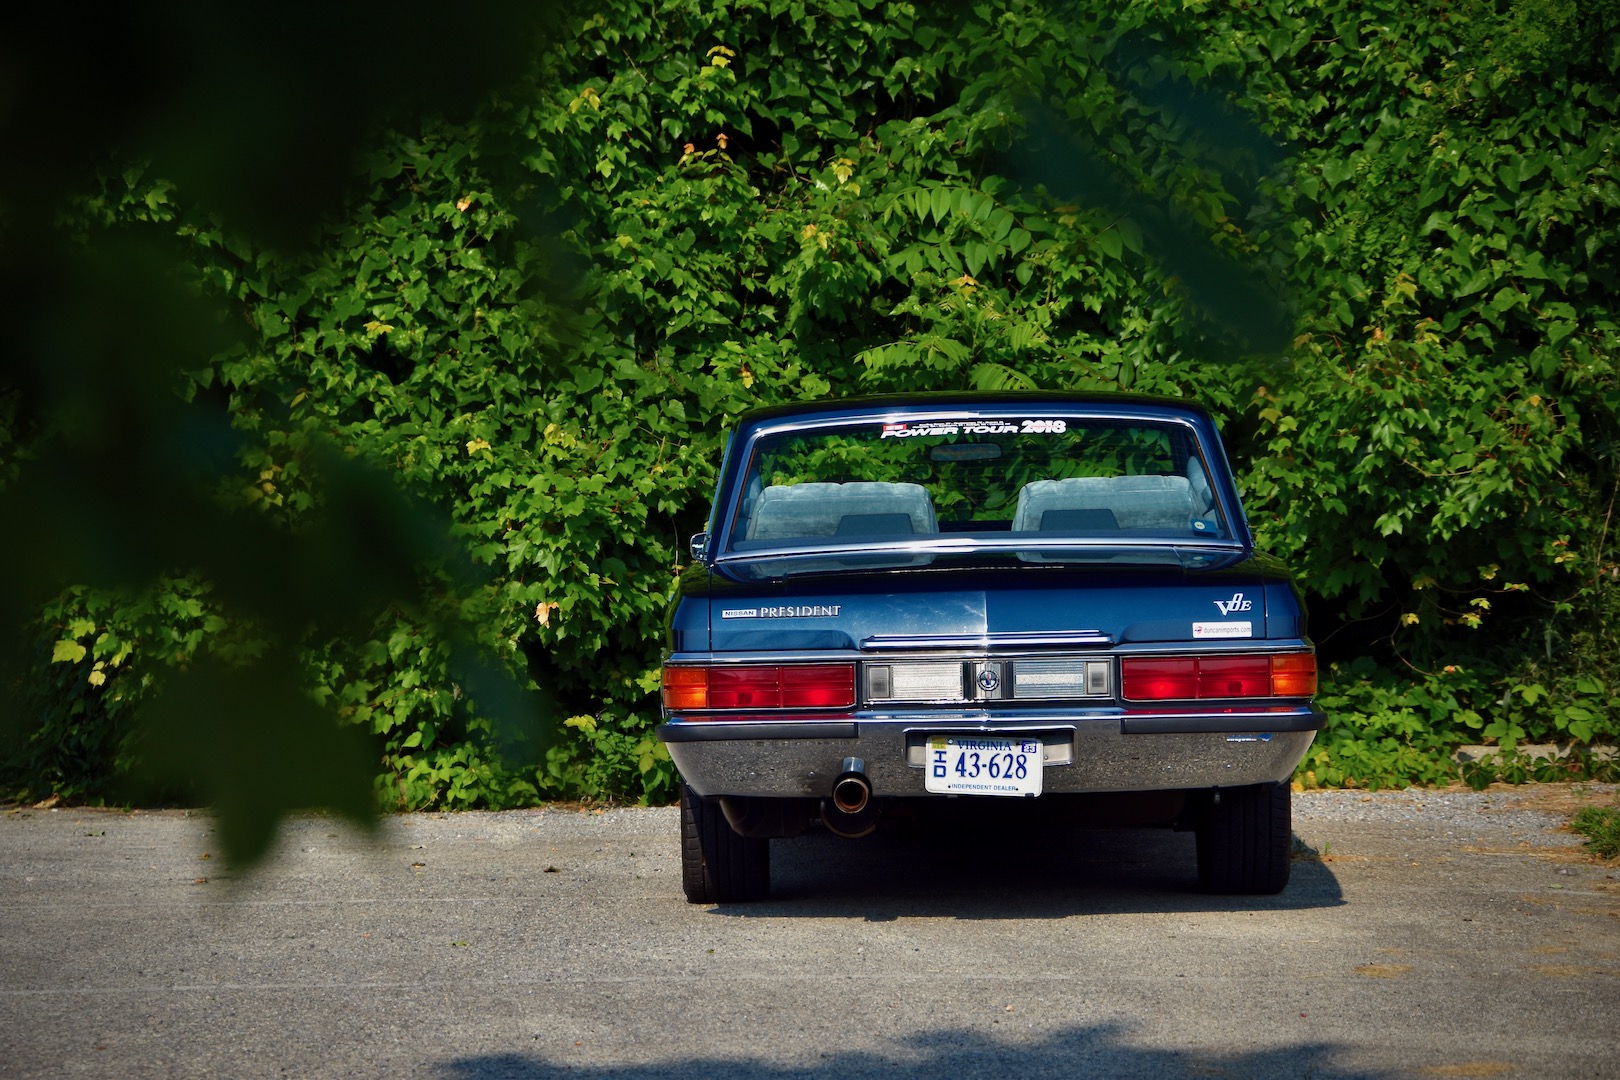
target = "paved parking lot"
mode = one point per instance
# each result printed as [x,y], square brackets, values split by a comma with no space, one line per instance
[1425,934]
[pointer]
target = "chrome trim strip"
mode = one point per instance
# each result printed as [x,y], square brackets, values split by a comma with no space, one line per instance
[1055,639]
[1236,721]
[688,731]
[952,544]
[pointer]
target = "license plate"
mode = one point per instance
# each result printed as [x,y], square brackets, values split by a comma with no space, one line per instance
[978,765]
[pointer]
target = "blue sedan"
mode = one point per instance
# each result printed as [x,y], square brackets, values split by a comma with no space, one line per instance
[1034,596]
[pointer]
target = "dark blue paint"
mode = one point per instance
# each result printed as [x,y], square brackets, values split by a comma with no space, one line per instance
[1134,605]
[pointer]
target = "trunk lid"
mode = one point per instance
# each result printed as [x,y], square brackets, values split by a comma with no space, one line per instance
[1095,608]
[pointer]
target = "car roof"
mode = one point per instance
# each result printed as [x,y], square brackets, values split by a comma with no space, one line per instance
[990,404]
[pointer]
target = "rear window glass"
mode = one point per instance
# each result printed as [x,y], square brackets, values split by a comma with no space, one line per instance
[908,482]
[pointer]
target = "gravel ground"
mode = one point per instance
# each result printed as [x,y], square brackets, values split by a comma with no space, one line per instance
[1425,933]
[1501,810]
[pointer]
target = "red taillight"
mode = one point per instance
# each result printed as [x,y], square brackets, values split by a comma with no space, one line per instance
[745,688]
[822,686]
[1199,678]
[806,686]
[1235,676]
[1159,680]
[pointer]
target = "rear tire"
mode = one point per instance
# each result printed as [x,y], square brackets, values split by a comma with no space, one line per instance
[1245,841]
[717,865]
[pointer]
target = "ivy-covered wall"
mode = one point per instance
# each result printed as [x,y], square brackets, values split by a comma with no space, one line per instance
[1377,238]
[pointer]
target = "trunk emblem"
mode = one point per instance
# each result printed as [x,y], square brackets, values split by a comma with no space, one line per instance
[784,611]
[1237,603]
[988,679]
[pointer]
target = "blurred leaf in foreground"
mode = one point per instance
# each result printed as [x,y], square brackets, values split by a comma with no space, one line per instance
[113,463]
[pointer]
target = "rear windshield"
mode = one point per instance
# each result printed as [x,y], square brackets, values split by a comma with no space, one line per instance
[1097,484]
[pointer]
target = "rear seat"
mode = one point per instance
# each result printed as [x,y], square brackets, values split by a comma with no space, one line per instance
[855,509]
[1101,503]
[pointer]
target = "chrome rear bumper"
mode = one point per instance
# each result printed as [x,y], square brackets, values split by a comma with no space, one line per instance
[1110,751]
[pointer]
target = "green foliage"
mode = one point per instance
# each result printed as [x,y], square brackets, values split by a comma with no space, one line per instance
[88,692]
[1386,731]
[1392,730]
[1459,365]
[1601,827]
[1376,239]
[1518,767]
[215,138]
[588,760]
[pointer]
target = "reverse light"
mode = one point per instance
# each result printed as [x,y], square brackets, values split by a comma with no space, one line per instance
[759,686]
[1202,678]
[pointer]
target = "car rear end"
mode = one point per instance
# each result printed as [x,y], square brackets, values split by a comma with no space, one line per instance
[1014,597]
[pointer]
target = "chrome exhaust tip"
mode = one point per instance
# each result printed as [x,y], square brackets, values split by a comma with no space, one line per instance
[851,812]
[851,793]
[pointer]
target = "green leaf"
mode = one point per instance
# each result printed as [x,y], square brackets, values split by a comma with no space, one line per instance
[1337,170]
[68,651]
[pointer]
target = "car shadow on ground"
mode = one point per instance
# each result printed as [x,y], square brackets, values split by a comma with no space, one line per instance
[1019,870]
[1099,1050]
